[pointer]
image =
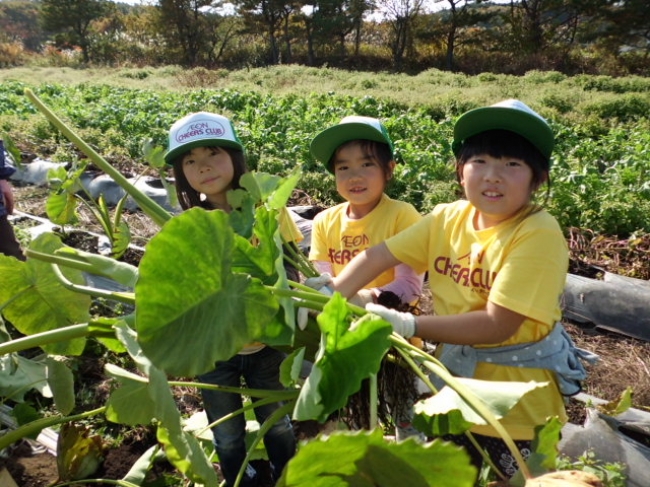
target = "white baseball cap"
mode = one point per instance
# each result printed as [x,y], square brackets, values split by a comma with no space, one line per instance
[349,128]
[201,129]
[512,115]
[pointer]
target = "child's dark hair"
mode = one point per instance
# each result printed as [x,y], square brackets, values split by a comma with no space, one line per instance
[504,143]
[188,197]
[378,150]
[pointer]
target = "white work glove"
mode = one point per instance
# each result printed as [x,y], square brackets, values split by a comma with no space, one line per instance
[319,283]
[402,323]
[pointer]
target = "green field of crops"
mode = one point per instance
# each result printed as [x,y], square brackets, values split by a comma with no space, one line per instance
[601,164]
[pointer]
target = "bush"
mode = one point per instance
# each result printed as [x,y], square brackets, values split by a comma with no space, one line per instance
[11,54]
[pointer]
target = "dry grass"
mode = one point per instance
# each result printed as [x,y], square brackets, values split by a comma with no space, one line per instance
[623,363]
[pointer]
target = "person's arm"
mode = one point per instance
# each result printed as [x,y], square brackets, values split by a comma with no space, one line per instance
[7,195]
[492,325]
[365,267]
[407,284]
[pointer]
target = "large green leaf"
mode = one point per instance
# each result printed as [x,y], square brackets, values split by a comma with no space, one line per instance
[181,447]
[273,190]
[258,260]
[133,389]
[61,204]
[447,413]
[19,375]
[281,330]
[61,381]
[348,355]
[364,459]
[191,310]
[38,301]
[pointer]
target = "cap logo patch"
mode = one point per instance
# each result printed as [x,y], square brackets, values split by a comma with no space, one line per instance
[200,129]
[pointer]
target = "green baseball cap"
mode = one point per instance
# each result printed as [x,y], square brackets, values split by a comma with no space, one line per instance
[512,115]
[201,129]
[349,128]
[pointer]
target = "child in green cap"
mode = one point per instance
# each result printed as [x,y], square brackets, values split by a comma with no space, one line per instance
[359,153]
[497,265]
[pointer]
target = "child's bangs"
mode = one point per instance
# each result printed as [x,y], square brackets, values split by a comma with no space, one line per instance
[499,144]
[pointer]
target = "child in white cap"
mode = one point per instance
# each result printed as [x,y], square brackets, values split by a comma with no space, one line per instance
[208,160]
[497,265]
[359,153]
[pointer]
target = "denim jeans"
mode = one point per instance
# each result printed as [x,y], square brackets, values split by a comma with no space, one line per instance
[260,370]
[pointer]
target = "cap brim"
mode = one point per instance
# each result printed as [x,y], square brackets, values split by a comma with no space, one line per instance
[532,128]
[173,154]
[326,142]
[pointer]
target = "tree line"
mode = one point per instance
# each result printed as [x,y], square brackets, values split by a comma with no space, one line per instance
[609,37]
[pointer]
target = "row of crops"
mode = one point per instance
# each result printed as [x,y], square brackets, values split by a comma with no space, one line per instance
[599,176]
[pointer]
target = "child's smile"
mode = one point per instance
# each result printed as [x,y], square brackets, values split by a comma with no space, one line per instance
[360,179]
[497,187]
[209,170]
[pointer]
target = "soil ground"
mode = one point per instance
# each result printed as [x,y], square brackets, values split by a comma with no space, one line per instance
[623,361]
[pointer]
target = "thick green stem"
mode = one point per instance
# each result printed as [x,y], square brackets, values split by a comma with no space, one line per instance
[295,257]
[56,260]
[127,298]
[85,482]
[45,338]
[279,395]
[156,212]
[60,260]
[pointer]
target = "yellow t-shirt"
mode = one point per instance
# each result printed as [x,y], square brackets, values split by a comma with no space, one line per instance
[520,264]
[337,239]
[288,228]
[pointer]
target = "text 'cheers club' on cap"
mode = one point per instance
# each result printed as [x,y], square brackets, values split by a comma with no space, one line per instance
[201,129]
[349,128]
[512,115]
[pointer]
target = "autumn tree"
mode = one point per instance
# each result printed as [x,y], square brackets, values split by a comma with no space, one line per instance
[72,19]
[195,29]
[19,23]
[337,19]
[620,27]
[449,23]
[401,16]
[264,16]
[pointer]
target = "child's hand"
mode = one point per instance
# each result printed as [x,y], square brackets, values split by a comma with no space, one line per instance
[363,297]
[403,323]
[320,283]
[7,196]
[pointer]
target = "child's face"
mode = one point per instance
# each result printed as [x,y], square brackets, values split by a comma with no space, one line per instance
[497,187]
[360,179]
[209,170]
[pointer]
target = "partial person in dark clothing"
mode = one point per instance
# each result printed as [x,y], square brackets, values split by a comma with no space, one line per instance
[8,242]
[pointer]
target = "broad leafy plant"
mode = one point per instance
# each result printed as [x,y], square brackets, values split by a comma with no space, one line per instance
[208,283]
